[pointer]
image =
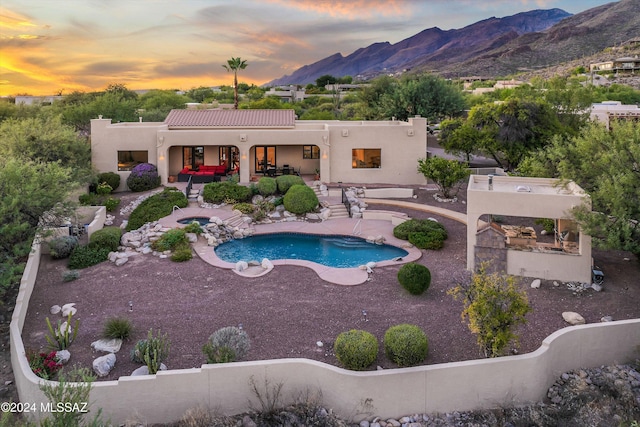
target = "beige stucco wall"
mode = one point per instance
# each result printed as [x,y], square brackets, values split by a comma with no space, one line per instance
[548,199]
[401,144]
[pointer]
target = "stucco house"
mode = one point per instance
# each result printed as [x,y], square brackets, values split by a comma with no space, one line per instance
[253,141]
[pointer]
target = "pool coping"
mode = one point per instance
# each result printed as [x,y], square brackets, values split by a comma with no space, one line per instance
[338,226]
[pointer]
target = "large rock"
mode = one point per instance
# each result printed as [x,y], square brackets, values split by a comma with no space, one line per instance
[68,309]
[104,364]
[144,370]
[241,265]
[536,283]
[63,356]
[266,264]
[573,318]
[107,345]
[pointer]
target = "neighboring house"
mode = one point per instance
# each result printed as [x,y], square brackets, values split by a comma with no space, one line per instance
[35,100]
[606,111]
[515,249]
[623,65]
[288,94]
[365,152]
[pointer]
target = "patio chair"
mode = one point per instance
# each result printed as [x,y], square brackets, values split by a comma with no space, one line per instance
[286,170]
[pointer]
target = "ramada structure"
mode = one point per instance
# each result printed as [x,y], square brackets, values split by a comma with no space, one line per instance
[252,142]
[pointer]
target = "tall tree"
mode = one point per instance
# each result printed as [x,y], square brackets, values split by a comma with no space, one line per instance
[233,65]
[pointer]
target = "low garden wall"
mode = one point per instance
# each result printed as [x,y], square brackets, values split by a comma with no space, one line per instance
[226,388]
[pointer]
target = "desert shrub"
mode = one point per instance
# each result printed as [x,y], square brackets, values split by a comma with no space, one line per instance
[245,208]
[111,204]
[193,227]
[86,256]
[170,240]
[432,240]
[219,192]
[107,237]
[356,349]
[156,351]
[61,247]
[547,224]
[284,182]
[110,178]
[117,327]
[226,345]
[62,334]
[88,199]
[422,233]
[143,177]
[70,275]
[300,199]
[103,188]
[267,186]
[405,345]
[155,207]
[138,351]
[182,254]
[415,278]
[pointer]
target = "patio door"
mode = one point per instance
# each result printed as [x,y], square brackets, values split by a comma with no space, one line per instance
[265,157]
[192,156]
[230,156]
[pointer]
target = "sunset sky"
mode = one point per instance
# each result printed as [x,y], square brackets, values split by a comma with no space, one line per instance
[53,46]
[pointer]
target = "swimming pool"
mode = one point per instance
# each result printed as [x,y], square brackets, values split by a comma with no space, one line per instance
[330,250]
[200,219]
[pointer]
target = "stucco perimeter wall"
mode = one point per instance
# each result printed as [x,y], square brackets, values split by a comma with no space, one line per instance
[226,388]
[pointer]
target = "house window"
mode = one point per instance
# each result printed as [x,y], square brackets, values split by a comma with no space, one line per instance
[127,160]
[265,158]
[310,152]
[192,157]
[365,158]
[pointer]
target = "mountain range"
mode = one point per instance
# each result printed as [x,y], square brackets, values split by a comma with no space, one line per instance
[493,47]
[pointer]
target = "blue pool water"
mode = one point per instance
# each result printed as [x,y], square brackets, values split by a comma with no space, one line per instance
[332,251]
[202,220]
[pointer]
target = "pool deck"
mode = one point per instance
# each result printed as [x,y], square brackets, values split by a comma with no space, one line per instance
[343,226]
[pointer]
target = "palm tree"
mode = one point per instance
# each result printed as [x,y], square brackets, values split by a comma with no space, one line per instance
[235,64]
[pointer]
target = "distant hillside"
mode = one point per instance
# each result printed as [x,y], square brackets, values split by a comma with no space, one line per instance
[493,47]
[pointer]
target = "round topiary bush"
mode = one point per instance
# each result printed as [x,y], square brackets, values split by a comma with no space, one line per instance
[107,237]
[285,182]
[111,178]
[143,177]
[406,345]
[356,349]
[415,278]
[300,199]
[62,246]
[226,345]
[267,186]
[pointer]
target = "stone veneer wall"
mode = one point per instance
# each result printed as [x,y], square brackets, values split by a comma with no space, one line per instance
[491,248]
[474,384]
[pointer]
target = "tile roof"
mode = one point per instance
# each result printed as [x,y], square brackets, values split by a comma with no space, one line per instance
[231,118]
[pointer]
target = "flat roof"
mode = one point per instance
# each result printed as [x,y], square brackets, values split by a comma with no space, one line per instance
[524,185]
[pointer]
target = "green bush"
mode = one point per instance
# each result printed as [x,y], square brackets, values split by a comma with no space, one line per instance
[300,199]
[415,278]
[245,208]
[138,351]
[143,177]
[182,254]
[111,204]
[267,186]
[219,192]
[193,227]
[103,189]
[284,182]
[422,233]
[107,237]
[70,275]
[170,240]
[226,345]
[62,246]
[117,327]
[88,199]
[111,178]
[155,207]
[356,349]
[405,345]
[86,256]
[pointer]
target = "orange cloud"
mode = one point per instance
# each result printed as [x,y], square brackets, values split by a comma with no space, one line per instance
[12,20]
[353,8]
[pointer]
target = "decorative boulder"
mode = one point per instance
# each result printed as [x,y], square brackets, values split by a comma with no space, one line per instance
[573,318]
[241,265]
[536,284]
[55,309]
[68,308]
[107,345]
[63,356]
[266,264]
[144,370]
[104,364]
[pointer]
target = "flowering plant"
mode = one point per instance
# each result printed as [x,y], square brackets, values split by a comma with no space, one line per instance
[143,177]
[44,365]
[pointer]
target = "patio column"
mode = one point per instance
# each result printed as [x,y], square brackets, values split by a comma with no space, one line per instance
[245,175]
